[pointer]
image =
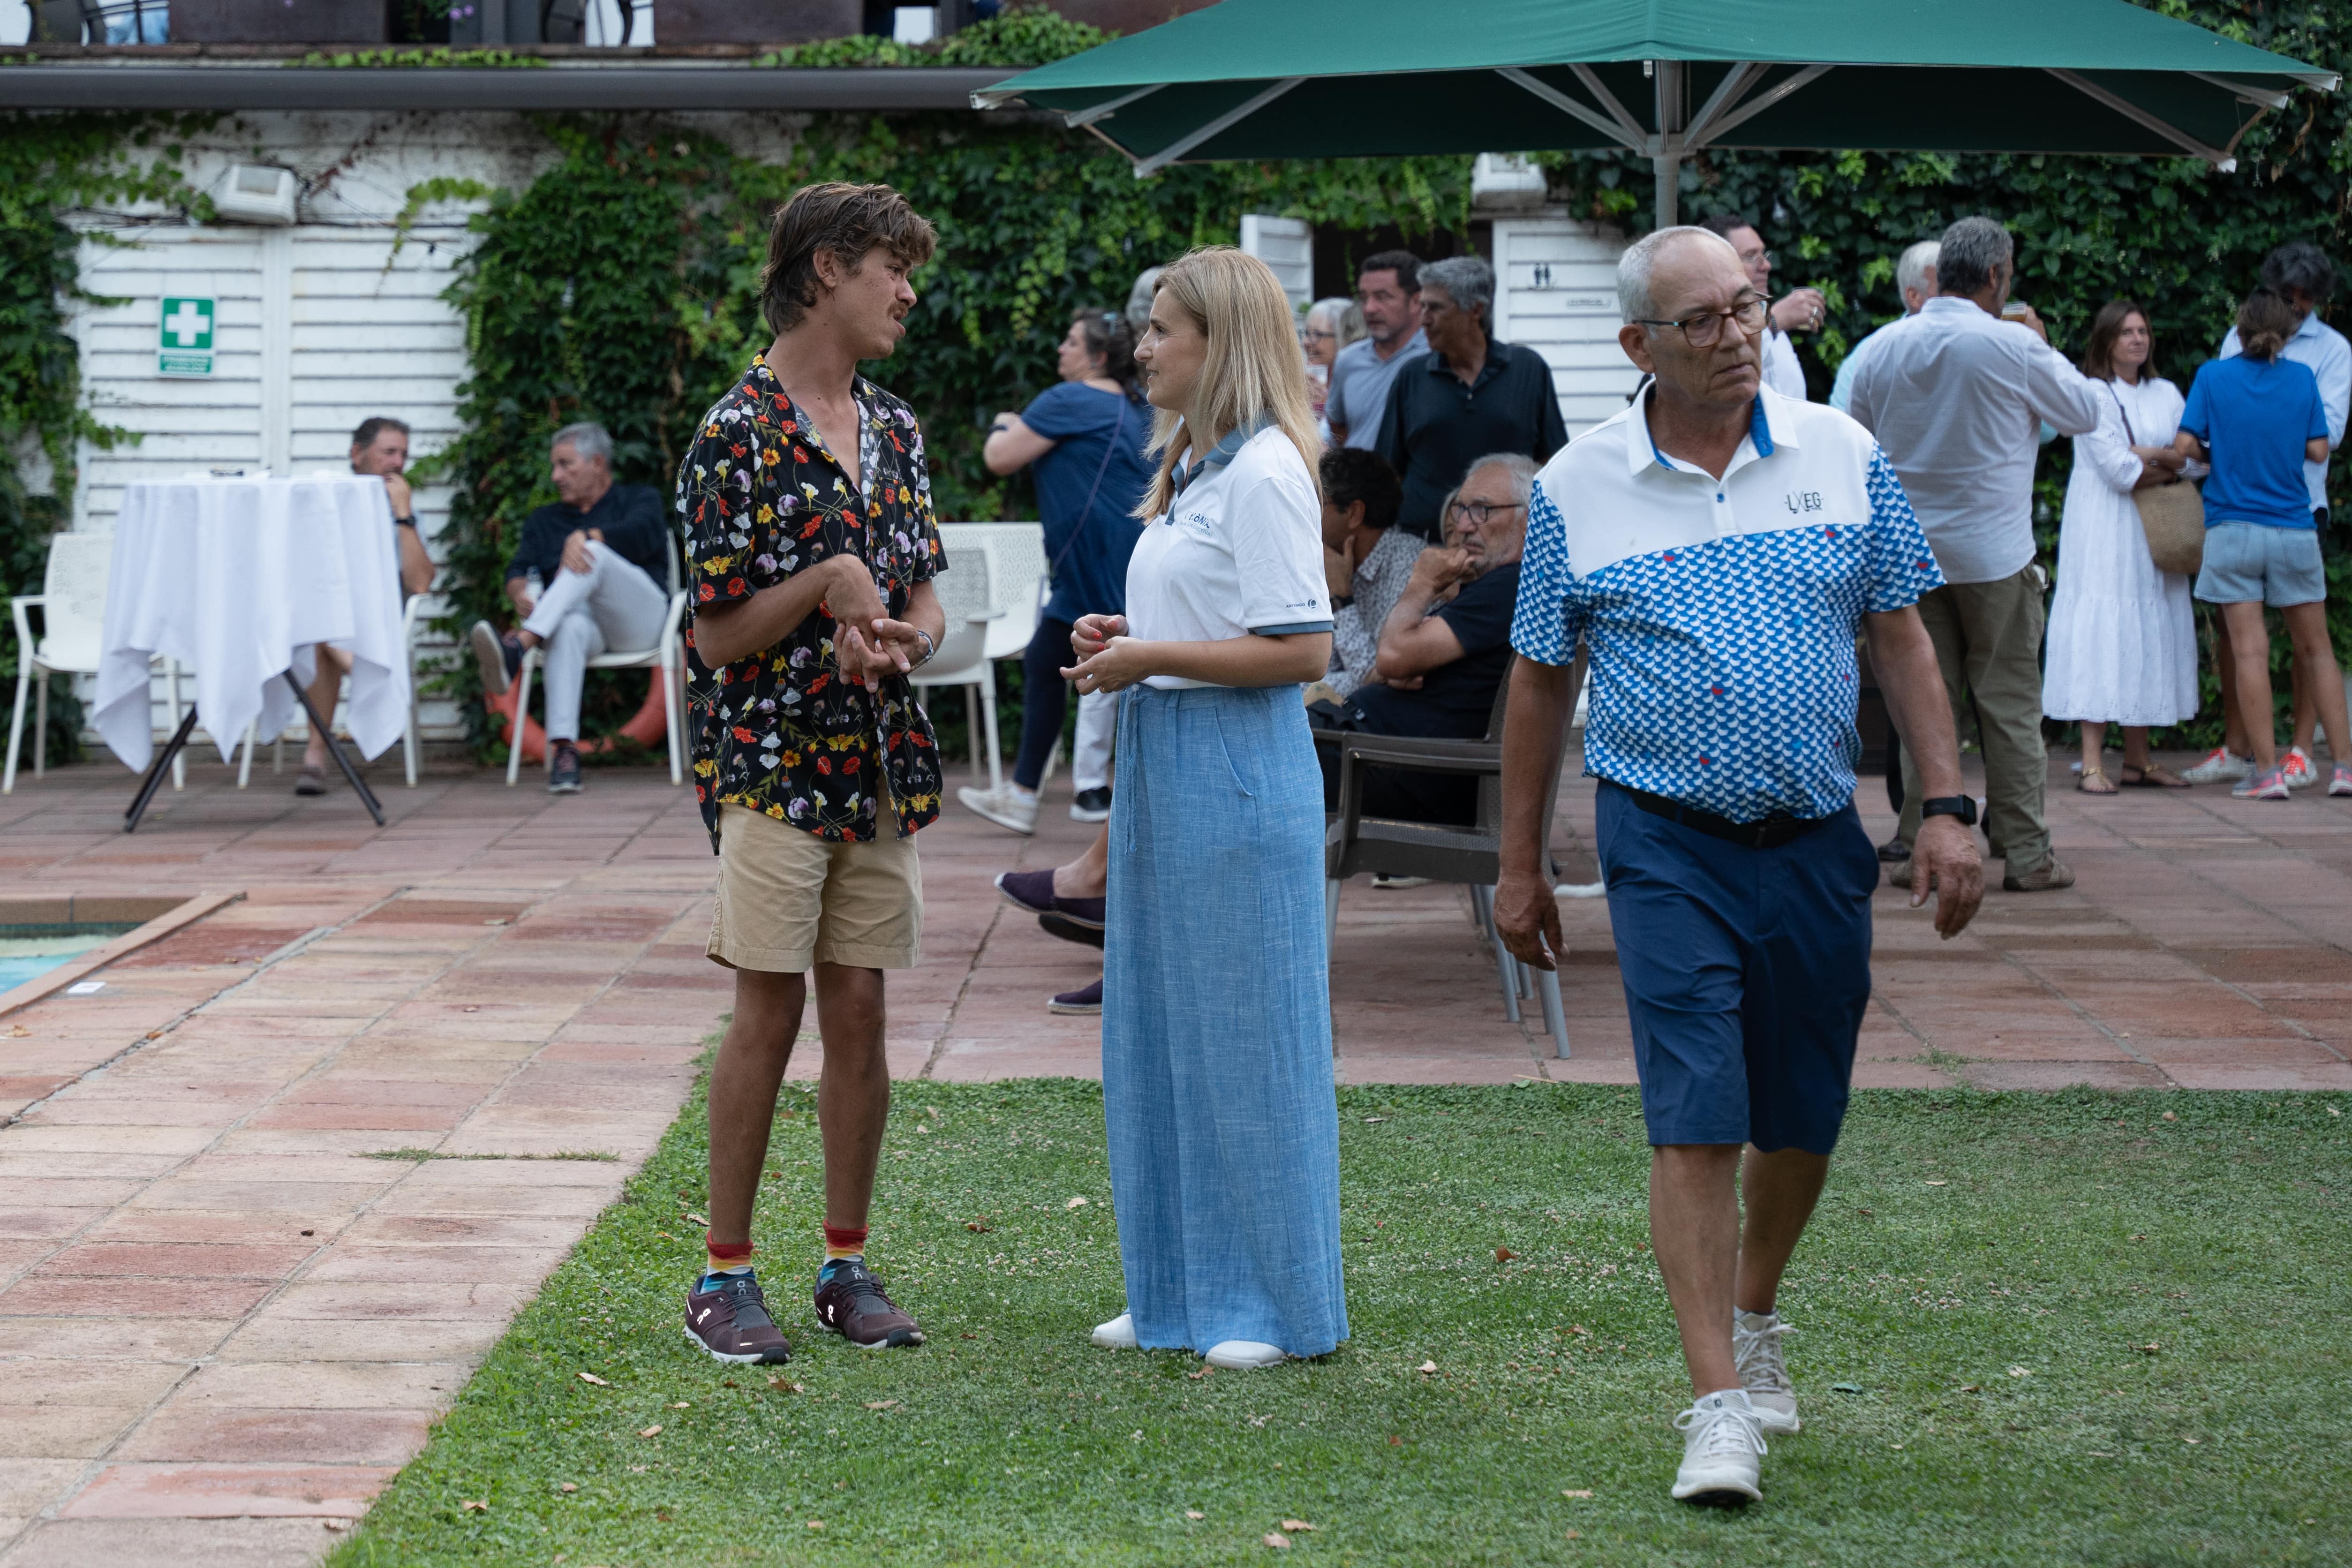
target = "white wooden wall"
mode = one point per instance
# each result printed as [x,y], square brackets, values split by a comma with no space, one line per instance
[318,327]
[1556,291]
[1287,246]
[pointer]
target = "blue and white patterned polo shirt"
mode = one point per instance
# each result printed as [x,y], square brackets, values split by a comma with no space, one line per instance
[1721,615]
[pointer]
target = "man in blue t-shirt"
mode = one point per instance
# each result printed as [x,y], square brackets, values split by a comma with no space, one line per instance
[1442,661]
[2262,418]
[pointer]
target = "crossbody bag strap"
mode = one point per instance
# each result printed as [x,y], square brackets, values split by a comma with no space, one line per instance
[2129,439]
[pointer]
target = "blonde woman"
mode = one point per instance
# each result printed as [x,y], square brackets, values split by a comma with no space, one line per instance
[1216,1037]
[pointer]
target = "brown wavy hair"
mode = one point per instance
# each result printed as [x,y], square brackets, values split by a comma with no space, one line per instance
[2266,321]
[847,220]
[2099,354]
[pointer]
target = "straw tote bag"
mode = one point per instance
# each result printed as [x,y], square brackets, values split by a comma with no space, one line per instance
[2172,516]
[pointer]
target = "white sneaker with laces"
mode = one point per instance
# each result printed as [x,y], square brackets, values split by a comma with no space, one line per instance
[1244,1355]
[1721,1445]
[2221,765]
[2300,774]
[1008,805]
[1118,1335]
[1755,1352]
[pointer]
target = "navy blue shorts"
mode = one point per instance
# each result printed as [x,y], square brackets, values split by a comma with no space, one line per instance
[1746,971]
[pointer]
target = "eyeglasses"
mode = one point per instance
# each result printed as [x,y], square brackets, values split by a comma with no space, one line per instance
[1703,329]
[1315,332]
[1479,513]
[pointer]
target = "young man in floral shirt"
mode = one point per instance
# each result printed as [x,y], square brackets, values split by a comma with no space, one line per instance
[810,536]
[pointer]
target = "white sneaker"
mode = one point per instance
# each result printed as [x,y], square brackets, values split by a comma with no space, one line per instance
[2300,774]
[1244,1355]
[2221,765]
[1721,1445]
[1755,1352]
[1118,1335]
[1007,805]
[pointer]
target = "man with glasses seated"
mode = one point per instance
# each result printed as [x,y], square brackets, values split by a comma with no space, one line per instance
[1441,663]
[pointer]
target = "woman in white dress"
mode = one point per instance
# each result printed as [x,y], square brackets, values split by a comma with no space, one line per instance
[2123,639]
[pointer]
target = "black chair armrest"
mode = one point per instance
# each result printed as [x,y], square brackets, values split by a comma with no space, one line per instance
[1416,755]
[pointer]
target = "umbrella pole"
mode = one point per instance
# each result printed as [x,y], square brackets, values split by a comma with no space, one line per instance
[1666,159]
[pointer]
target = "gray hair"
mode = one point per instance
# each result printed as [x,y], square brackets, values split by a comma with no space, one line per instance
[1911,273]
[1971,250]
[1518,465]
[1466,279]
[1139,299]
[588,438]
[1345,316]
[1635,301]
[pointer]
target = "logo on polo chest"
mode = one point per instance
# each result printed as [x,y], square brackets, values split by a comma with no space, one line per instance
[1801,501]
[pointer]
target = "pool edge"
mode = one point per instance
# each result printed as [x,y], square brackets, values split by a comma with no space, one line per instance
[184,912]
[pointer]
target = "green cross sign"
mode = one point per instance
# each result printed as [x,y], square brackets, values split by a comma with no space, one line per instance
[185,346]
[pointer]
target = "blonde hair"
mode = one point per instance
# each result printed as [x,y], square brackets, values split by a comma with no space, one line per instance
[1254,368]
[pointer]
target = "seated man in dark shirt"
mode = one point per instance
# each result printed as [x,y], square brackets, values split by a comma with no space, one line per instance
[587,576]
[1440,664]
[1467,398]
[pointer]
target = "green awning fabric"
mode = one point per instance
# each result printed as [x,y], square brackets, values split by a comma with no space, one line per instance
[1322,79]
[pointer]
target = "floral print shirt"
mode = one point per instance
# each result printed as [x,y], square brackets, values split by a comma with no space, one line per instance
[782,731]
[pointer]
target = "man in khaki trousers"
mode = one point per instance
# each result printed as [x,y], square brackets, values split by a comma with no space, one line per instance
[1957,398]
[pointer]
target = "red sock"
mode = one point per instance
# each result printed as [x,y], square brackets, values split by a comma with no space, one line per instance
[844,1241]
[726,1255]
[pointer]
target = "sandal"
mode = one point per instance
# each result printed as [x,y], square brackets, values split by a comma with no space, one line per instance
[2156,775]
[311,781]
[2105,785]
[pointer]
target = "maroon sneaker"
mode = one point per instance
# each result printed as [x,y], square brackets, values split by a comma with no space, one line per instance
[850,1302]
[731,1322]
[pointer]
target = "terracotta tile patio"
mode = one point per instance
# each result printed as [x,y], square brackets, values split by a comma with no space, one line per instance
[224,1326]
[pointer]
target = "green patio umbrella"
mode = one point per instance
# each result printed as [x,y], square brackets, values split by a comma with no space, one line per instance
[1663,79]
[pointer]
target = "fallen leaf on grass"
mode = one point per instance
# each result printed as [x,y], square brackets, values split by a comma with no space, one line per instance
[2150,1348]
[1504,1255]
[2168,1116]
[637,1469]
[978,1226]
[1845,1388]
[880,1404]
[1934,1184]
[1970,1388]
[1297,1524]
[569,1487]
[2020,1371]
[1076,1204]
[1206,1371]
[697,1219]
[785,1385]
[1396,1442]
[1370,1120]
[1580,1328]
[1581,1491]
[817,1524]
[1275,1538]
[2192,1441]
[591,1378]
[665,1235]
[652,1431]
[1426,1367]
[1194,1514]
[681,1405]
[1573,1535]
[485,1508]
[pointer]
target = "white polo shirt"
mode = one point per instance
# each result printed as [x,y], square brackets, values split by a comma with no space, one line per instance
[1239,552]
[1720,613]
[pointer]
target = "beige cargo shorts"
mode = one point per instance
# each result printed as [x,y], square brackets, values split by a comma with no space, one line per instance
[788,899]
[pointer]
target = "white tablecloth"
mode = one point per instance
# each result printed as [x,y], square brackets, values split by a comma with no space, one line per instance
[235,578]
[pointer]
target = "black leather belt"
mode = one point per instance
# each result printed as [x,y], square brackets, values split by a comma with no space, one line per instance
[1768,834]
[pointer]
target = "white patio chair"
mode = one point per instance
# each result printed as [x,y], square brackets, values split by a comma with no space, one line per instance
[963,656]
[1017,577]
[668,657]
[72,602]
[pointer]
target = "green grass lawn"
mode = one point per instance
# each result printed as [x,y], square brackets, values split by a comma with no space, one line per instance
[2031,1328]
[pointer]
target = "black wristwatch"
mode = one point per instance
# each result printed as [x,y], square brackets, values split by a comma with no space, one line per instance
[1963,807]
[403,523]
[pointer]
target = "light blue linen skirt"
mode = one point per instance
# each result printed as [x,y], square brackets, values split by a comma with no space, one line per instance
[1216,1024]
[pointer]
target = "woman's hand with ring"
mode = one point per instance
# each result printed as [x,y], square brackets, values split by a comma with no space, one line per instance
[1117,664]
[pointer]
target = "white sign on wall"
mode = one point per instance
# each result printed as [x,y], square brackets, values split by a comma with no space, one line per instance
[184,345]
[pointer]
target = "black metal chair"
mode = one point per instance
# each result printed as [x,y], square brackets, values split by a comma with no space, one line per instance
[1355,844]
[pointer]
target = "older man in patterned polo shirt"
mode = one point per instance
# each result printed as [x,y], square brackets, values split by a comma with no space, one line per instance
[1718,546]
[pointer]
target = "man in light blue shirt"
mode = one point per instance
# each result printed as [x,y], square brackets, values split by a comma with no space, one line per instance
[2301,273]
[1388,290]
[1915,275]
